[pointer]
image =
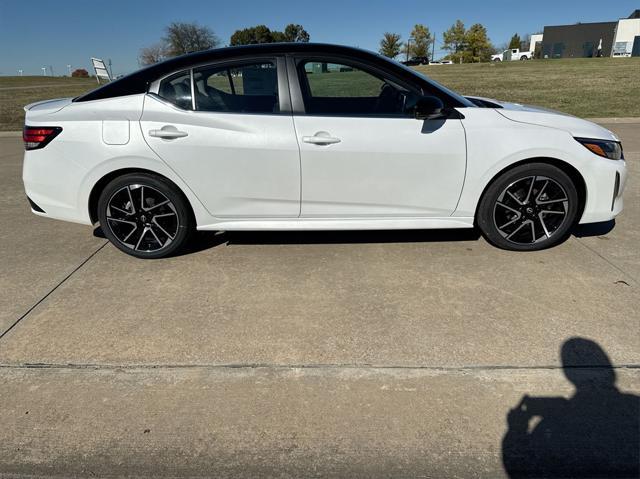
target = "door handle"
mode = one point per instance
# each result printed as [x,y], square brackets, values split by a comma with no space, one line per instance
[321,139]
[168,133]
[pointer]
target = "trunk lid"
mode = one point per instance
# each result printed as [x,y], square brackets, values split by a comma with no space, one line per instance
[39,110]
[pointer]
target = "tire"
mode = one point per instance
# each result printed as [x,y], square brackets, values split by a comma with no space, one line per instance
[528,208]
[145,215]
[524,58]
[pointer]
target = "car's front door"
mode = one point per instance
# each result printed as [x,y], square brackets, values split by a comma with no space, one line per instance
[363,154]
[230,141]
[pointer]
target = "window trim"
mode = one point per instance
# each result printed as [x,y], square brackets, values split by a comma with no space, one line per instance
[284,96]
[294,63]
[193,89]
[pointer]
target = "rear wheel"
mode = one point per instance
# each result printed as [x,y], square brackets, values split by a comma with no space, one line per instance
[145,215]
[528,208]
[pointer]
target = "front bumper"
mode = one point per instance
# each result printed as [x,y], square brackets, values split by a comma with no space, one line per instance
[605,187]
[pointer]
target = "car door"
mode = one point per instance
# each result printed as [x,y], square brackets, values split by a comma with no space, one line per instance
[363,154]
[224,130]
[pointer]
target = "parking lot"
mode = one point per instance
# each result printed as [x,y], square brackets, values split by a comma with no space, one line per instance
[297,354]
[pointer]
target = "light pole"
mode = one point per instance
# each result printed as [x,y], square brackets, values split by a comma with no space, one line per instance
[433,48]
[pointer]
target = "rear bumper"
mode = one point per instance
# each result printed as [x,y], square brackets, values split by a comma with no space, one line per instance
[51,186]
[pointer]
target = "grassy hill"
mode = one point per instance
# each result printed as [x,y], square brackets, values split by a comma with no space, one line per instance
[585,87]
[602,87]
[15,92]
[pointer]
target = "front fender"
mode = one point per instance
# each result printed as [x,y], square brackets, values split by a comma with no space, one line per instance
[495,143]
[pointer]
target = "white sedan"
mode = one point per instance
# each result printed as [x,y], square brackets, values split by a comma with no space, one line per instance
[311,137]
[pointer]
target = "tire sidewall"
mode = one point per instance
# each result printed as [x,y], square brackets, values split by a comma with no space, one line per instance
[484,217]
[185,217]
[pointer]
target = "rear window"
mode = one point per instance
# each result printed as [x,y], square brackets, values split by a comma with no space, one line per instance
[243,88]
[177,90]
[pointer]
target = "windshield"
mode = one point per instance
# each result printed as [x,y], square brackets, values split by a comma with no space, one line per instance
[437,85]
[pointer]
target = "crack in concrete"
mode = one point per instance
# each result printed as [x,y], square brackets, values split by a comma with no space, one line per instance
[52,290]
[329,366]
[606,260]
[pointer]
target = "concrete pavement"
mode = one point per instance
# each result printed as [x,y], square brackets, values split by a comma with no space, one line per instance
[298,354]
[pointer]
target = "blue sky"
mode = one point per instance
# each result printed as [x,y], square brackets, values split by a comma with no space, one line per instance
[37,33]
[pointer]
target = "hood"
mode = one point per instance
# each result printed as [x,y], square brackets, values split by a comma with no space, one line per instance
[537,115]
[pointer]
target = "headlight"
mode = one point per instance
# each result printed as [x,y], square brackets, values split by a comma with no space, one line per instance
[604,148]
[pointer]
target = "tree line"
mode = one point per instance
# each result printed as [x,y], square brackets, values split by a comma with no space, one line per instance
[462,44]
[466,45]
[181,38]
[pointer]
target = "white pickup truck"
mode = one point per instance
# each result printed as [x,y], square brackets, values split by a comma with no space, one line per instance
[511,54]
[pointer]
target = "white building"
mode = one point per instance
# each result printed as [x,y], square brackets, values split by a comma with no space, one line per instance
[627,35]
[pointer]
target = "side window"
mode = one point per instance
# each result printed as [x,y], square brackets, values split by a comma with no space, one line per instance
[340,81]
[340,89]
[243,88]
[177,90]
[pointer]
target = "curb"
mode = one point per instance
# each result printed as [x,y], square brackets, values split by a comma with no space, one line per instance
[10,134]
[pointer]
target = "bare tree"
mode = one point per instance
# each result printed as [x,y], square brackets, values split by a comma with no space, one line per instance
[152,54]
[181,38]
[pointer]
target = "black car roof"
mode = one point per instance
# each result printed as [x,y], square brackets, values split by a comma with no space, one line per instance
[139,81]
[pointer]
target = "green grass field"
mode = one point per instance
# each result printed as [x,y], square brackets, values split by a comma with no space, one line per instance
[15,92]
[603,87]
[585,87]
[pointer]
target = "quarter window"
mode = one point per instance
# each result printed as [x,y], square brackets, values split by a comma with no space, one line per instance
[177,90]
[245,88]
[340,89]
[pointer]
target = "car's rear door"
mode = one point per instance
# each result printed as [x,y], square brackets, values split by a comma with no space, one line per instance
[226,129]
[363,154]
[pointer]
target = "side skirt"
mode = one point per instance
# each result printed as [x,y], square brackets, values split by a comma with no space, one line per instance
[318,224]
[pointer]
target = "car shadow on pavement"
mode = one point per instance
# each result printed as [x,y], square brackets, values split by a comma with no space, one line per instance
[349,237]
[594,229]
[594,433]
[203,240]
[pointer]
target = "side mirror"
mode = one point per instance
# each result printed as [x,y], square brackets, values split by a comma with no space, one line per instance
[428,108]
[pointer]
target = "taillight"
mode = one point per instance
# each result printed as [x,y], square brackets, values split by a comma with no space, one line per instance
[39,136]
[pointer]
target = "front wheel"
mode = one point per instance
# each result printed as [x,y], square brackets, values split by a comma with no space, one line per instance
[145,215]
[528,208]
[524,58]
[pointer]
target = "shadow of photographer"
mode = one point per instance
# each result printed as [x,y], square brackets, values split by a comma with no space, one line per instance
[594,433]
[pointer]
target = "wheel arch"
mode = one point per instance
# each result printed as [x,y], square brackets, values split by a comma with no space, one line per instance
[100,185]
[575,176]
